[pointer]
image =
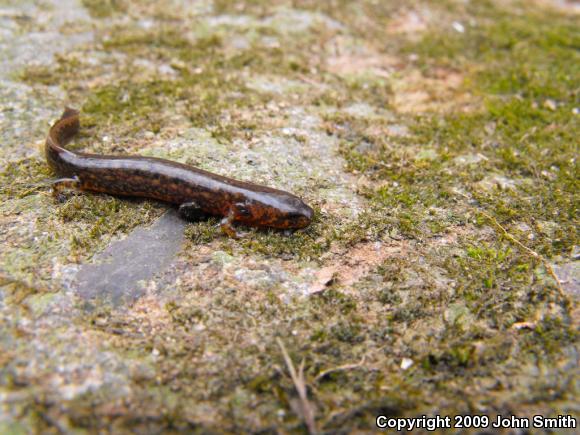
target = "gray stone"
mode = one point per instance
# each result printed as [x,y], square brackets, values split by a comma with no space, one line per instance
[569,276]
[118,272]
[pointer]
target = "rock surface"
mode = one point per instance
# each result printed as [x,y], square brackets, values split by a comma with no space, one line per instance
[442,261]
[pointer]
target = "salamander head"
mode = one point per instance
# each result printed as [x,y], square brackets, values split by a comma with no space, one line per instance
[294,214]
[277,210]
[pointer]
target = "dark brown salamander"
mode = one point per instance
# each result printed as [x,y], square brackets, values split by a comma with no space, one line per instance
[197,192]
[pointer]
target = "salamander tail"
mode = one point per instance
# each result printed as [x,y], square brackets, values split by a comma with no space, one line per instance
[64,129]
[69,113]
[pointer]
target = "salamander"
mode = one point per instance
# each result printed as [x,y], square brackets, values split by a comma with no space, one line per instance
[196,192]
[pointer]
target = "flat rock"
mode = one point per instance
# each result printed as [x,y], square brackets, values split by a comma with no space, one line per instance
[569,276]
[119,272]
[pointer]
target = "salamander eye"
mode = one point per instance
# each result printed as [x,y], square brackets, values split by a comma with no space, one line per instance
[243,210]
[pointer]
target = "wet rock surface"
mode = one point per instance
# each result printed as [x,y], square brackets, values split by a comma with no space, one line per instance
[441,263]
[119,273]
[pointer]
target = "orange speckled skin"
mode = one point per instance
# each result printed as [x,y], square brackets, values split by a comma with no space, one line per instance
[172,182]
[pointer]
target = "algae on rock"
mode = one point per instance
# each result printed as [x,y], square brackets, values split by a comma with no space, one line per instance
[437,142]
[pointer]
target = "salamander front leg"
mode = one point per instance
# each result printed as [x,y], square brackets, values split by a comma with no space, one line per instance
[227,225]
[190,211]
[64,183]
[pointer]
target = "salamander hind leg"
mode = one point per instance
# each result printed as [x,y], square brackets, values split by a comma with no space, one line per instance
[227,226]
[61,184]
[190,211]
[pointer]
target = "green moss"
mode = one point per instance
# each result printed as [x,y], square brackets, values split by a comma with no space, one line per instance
[347,332]
[105,8]
[75,229]
[549,333]
[39,75]
[135,106]
[102,215]
[526,129]
[447,296]
[13,428]
[306,244]
[203,232]
[23,178]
